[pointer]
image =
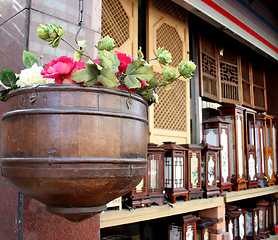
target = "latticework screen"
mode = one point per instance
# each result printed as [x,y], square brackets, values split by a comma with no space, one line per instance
[115,21]
[170,113]
[246,81]
[168,37]
[171,8]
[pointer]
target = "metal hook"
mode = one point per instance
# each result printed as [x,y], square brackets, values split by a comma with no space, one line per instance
[80,17]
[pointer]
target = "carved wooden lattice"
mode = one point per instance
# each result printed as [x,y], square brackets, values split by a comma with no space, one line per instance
[229,81]
[170,113]
[171,8]
[168,37]
[115,21]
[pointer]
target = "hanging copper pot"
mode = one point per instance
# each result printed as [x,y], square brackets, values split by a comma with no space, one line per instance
[74,148]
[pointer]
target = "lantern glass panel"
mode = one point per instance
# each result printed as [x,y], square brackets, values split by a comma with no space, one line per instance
[268,133]
[178,172]
[211,136]
[252,167]
[224,155]
[206,234]
[250,129]
[231,229]
[194,170]
[258,152]
[266,218]
[274,147]
[139,187]
[262,148]
[249,224]
[175,232]
[236,228]
[270,168]
[168,172]
[240,145]
[261,219]
[199,234]
[241,226]
[189,233]
[256,223]
[211,171]
[274,213]
[153,171]
[232,141]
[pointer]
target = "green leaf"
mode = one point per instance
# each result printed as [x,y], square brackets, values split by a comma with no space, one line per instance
[3,94]
[8,78]
[137,72]
[78,55]
[82,43]
[108,78]
[87,75]
[29,59]
[167,87]
[109,59]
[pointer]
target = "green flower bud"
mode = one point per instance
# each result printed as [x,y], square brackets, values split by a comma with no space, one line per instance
[168,74]
[186,69]
[106,43]
[163,56]
[51,33]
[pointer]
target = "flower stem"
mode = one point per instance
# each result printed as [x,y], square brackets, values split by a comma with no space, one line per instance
[83,54]
[151,59]
[165,84]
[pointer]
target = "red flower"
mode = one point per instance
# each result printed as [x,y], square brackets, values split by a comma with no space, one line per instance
[61,69]
[124,60]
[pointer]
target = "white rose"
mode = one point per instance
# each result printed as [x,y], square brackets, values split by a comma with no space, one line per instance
[32,76]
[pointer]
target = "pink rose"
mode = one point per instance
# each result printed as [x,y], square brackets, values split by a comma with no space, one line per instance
[61,69]
[124,60]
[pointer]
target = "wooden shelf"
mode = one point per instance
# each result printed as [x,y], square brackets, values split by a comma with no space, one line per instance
[250,193]
[112,218]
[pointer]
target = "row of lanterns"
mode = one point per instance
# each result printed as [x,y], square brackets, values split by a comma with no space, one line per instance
[238,152]
[252,222]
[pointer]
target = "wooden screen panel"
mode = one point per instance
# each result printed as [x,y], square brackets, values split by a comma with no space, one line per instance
[120,22]
[169,120]
[209,70]
[247,91]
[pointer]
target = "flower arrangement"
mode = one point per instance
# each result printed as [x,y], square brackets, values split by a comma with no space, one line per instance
[111,69]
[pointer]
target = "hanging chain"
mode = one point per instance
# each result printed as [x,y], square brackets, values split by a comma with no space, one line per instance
[80,17]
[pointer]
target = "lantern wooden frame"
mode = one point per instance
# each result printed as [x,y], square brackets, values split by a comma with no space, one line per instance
[234,113]
[264,209]
[139,196]
[241,223]
[273,206]
[186,228]
[231,217]
[216,133]
[156,173]
[209,166]
[275,138]
[175,172]
[268,150]
[260,155]
[252,221]
[250,148]
[204,226]
[193,158]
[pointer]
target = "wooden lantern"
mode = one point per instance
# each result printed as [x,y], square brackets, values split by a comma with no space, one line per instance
[269,153]
[204,226]
[209,170]
[234,114]
[183,230]
[272,213]
[260,156]
[250,148]
[193,164]
[175,171]
[156,173]
[139,196]
[252,223]
[232,215]
[263,218]
[240,230]
[216,133]
[274,134]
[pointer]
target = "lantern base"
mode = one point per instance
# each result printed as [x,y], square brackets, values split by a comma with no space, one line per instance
[76,214]
[239,186]
[195,194]
[225,186]
[252,184]
[174,193]
[211,192]
[158,199]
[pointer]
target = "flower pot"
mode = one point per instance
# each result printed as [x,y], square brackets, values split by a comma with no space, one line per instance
[74,148]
